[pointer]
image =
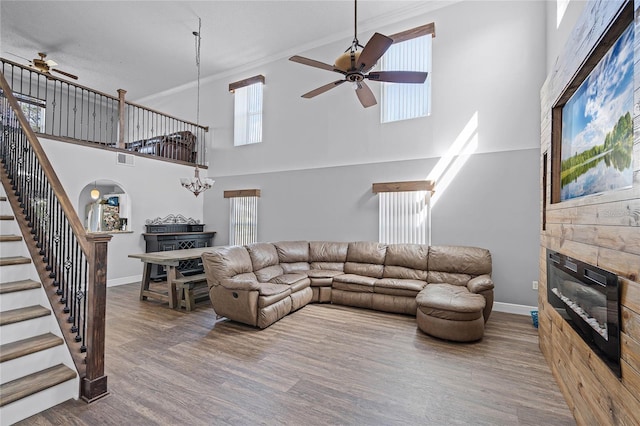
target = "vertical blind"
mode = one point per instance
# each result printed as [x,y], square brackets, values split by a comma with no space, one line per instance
[247,127]
[405,101]
[243,222]
[404,217]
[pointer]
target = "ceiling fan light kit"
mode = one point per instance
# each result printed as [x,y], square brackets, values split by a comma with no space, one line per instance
[46,66]
[355,65]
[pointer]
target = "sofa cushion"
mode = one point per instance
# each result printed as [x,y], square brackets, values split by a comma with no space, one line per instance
[327,255]
[352,282]
[296,282]
[407,261]
[445,297]
[436,277]
[365,258]
[262,255]
[226,262]
[292,251]
[398,287]
[460,260]
[270,272]
[295,267]
[271,293]
[322,273]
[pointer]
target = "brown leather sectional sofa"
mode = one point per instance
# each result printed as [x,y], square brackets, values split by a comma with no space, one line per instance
[260,283]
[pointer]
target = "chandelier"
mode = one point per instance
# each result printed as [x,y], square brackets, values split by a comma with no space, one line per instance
[195,184]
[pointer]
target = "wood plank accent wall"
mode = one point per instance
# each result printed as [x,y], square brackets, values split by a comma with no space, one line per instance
[603,230]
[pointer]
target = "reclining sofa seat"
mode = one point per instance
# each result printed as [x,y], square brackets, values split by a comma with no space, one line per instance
[319,260]
[257,298]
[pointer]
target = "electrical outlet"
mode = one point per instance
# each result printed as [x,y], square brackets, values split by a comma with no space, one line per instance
[534,285]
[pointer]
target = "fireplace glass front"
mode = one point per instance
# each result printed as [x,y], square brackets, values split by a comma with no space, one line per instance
[587,298]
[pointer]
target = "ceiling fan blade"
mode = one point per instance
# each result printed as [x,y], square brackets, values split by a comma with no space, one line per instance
[314,63]
[65,73]
[51,62]
[365,95]
[416,77]
[320,90]
[373,50]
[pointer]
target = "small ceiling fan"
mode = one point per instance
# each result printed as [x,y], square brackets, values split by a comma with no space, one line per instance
[356,65]
[46,66]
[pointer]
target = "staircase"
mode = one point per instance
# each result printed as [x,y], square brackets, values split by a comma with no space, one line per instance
[36,368]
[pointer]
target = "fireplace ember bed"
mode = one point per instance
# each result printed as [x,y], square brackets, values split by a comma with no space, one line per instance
[587,297]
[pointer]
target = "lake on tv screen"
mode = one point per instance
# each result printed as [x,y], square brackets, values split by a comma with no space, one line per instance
[597,126]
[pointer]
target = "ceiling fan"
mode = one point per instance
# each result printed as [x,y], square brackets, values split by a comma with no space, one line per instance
[355,66]
[46,66]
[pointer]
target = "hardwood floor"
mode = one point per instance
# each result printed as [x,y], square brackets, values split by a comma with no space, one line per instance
[324,364]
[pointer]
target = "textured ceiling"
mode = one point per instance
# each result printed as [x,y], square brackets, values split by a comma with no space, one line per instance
[146,47]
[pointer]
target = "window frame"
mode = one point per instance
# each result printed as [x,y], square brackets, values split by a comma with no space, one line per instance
[247,113]
[403,36]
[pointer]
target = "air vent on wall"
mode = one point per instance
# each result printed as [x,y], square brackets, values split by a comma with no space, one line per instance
[124,159]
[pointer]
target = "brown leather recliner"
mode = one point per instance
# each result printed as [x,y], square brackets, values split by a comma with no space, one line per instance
[237,293]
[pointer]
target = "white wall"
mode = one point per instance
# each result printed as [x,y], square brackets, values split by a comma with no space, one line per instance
[153,187]
[319,157]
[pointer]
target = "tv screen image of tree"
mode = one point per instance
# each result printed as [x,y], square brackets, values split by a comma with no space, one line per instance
[597,126]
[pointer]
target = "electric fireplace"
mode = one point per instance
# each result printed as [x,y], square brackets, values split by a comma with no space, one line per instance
[587,297]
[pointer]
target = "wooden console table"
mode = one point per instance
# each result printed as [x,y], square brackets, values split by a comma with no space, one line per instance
[170,260]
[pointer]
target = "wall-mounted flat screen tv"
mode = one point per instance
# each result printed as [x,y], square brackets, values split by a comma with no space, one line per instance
[597,126]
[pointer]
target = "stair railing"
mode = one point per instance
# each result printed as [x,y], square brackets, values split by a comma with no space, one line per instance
[71,263]
[68,111]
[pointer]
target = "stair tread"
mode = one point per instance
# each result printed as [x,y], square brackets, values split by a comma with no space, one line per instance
[3,198]
[33,383]
[14,260]
[23,314]
[14,350]
[6,217]
[10,237]
[13,286]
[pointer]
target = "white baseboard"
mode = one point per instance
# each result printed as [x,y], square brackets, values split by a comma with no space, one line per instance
[512,308]
[124,280]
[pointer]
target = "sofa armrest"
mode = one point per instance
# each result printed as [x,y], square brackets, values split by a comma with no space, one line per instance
[240,284]
[480,283]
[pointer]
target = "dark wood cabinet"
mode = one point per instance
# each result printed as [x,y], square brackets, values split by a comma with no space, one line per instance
[165,241]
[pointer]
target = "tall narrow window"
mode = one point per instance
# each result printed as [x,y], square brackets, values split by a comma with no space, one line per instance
[247,119]
[243,216]
[410,51]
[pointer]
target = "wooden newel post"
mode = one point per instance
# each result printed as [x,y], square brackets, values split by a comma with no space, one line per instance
[122,108]
[94,384]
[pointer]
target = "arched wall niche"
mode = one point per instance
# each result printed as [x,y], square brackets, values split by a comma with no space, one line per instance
[110,212]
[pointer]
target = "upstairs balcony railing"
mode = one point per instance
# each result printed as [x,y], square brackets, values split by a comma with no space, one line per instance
[61,109]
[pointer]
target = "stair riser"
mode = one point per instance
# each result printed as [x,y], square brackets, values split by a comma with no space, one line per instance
[13,248]
[22,299]
[33,404]
[5,207]
[32,363]
[25,329]
[18,272]
[9,226]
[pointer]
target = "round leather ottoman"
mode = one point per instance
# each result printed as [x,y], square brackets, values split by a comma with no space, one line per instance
[450,312]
